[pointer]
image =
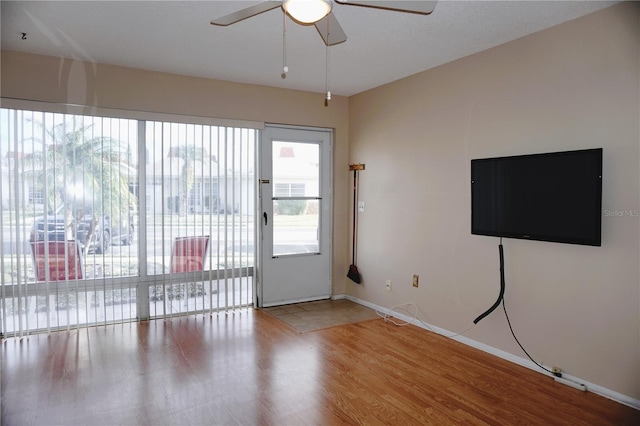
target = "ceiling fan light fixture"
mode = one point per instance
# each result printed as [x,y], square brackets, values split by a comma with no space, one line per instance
[307,11]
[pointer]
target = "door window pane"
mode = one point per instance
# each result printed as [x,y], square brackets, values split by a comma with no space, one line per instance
[296,227]
[296,169]
[296,177]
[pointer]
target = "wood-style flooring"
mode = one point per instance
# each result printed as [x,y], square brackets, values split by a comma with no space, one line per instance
[248,368]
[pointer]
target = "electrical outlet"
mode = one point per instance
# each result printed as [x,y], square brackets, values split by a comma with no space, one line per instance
[388,285]
[416,279]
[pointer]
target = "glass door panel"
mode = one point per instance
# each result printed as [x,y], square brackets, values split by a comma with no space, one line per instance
[296,233]
[296,190]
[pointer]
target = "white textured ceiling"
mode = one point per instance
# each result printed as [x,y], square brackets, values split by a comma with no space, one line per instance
[176,37]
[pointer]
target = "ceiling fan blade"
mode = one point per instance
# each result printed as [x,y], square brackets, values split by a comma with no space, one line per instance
[411,6]
[330,30]
[248,12]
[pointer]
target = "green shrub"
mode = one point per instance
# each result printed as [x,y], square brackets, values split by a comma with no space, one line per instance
[292,207]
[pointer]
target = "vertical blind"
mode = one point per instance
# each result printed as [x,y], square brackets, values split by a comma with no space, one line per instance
[109,220]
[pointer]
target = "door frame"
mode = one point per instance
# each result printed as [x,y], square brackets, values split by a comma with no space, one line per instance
[264,193]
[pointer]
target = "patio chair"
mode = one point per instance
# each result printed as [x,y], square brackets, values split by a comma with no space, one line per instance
[63,260]
[189,254]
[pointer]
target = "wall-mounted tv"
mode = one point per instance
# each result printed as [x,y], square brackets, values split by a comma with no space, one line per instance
[547,197]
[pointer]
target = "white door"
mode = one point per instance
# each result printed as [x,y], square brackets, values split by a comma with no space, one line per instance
[295,216]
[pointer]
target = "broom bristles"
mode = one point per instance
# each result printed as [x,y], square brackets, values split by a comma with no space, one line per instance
[354,275]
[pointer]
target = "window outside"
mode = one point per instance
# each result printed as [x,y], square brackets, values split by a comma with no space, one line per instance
[85,179]
[296,202]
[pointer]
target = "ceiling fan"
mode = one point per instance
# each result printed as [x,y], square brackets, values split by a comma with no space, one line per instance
[319,13]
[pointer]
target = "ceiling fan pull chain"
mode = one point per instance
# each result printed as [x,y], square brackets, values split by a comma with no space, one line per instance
[285,68]
[327,81]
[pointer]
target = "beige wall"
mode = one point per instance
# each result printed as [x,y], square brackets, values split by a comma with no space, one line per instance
[570,87]
[49,79]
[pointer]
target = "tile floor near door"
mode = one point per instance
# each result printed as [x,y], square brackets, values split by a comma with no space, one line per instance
[311,316]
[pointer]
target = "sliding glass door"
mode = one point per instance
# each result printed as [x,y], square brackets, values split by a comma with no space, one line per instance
[109,219]
[199,221]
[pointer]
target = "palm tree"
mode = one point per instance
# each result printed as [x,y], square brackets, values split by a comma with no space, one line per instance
[81,172]
[189,154]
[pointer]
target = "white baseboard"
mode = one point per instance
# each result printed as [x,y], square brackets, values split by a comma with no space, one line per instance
[591,387]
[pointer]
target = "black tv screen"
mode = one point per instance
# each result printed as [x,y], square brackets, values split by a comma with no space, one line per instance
[547,197]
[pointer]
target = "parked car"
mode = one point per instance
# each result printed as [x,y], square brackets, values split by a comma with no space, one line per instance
[106,231]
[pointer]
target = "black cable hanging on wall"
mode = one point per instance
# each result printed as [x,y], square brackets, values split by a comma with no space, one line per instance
[504,307]
[502,286]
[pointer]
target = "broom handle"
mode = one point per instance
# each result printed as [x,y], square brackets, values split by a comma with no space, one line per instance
[353,236]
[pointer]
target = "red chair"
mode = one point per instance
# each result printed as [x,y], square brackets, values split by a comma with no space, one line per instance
[62,259]
[189,253]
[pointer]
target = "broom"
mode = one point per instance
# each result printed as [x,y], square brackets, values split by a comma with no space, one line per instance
[354,274]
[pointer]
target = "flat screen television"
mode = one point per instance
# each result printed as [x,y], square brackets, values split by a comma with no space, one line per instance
[547,197]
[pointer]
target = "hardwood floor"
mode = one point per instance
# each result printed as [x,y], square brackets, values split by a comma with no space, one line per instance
[247,367]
